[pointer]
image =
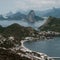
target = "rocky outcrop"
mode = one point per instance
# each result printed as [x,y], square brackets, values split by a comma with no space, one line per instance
[31,17]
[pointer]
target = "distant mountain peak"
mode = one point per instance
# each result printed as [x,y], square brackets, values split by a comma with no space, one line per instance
[31,16]
[32,12]
[9,14]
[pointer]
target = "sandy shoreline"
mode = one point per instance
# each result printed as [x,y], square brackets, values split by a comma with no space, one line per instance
[22,45]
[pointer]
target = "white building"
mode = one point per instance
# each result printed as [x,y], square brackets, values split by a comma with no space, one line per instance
[11,38]
[29,38]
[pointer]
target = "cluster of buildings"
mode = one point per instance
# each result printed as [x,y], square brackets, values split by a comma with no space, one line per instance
[42,35]
[3,39]
[48,34]
[25,52]
[32,55]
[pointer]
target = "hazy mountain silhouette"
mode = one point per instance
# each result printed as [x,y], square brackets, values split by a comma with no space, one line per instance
[30,17]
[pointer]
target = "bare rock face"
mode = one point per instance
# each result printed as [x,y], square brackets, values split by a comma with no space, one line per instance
[31,16]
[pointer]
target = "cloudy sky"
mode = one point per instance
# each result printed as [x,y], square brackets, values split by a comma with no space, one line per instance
[14,5]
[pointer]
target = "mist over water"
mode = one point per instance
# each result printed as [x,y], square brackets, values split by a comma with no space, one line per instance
[35,25]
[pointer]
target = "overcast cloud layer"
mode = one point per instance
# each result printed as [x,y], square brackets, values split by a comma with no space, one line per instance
[13,5]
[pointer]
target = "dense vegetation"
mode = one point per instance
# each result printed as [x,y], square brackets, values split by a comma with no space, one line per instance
[17,31]
[52,24]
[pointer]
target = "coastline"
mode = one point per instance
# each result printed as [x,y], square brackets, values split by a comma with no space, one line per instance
[22,45]
[43,56]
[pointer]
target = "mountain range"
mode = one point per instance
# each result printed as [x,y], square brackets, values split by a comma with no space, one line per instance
[30,17]
[54,12]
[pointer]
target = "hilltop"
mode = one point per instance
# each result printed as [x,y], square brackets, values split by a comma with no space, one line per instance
[32,17]
[16,30]
[52,24]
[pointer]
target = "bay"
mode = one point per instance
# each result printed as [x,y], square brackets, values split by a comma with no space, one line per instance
[50,47]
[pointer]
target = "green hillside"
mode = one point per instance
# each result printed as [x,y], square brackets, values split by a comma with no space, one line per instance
[19,32]
[52,24]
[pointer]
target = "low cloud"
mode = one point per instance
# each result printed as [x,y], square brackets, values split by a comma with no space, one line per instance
[12,5]
[35,4]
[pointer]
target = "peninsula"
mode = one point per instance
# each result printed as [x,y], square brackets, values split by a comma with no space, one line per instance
[11,43]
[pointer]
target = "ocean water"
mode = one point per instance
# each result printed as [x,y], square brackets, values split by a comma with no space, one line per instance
[50,47]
